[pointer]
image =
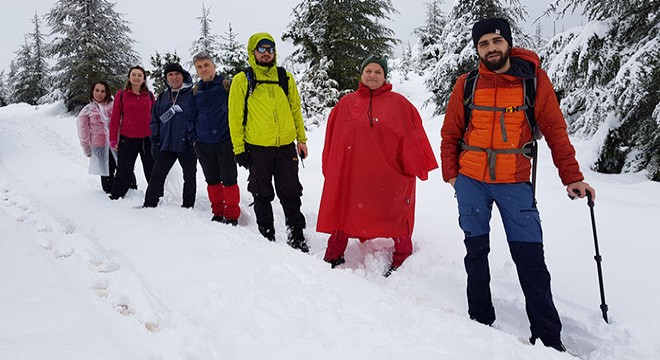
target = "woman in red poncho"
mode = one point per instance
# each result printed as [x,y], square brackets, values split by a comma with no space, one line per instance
[375,146]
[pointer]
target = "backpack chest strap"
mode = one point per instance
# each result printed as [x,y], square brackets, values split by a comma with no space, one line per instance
[506,110]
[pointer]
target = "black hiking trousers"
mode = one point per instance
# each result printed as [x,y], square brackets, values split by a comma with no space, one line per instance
[128,150]
[279,164]
[162,167]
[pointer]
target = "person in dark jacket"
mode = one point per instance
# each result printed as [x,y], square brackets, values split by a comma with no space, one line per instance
[208,131]
[168,137]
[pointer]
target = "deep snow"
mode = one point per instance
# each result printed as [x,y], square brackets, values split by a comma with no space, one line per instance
[83,277]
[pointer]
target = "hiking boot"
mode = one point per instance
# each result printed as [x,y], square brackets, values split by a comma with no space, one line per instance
[336,262]
[232,222]
[296,239]
[555,344]
[267,231]
[300,245]
[390,270]
[218,218]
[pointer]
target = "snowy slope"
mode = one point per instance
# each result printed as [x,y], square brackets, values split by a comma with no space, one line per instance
[84,277]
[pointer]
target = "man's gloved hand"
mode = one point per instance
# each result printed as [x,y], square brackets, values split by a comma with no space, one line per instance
[243,160]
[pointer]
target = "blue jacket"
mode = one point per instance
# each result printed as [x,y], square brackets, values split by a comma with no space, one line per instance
[171,134]
[208,122]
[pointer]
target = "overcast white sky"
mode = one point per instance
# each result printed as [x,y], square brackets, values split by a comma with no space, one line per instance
[175,27]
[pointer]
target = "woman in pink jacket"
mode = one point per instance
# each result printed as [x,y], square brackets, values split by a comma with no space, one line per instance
[93,122]
[130,132]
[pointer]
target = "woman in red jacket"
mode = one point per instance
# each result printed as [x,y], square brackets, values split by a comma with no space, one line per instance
[130,132]
[93,121]
[375,146]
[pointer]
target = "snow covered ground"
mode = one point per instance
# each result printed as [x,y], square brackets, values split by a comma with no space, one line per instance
[83,277]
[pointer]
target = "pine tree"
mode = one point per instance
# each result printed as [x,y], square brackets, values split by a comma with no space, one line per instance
[458,55]
[406,62]
[233,57]
[31,79]
[4,89]
[608,73]
[345,32]
[207,41]
[318,92]
[428,47]
[158,63]
[92,43]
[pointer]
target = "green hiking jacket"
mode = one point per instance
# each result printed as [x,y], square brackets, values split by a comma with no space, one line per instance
[273,119]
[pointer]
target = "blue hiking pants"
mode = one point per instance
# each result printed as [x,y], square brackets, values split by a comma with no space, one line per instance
[523,230]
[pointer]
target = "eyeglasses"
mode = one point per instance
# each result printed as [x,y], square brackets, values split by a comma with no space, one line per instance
[263,49]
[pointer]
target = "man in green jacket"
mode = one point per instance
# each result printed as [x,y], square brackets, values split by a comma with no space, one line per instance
[270,139]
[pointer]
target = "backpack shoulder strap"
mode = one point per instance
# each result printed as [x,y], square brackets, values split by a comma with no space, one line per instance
[529,88]
[283,79]
[251,84]
[468,95]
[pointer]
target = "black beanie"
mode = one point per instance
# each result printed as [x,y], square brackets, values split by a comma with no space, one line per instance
[173,67]
[493,25]
[377,60]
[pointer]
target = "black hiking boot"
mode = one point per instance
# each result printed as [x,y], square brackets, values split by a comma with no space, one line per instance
[336,262]
[267,231]
[232,222]
[390,270]
[296,239]
[555,344]
[218,218]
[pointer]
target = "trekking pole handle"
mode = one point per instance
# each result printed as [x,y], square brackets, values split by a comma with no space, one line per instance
[590,200]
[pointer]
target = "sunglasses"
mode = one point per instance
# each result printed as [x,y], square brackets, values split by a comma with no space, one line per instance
[263,49]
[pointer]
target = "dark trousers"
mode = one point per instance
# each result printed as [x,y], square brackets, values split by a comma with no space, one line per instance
[106,181]
[534,280]
[218,163]
[162,167]
[280,164]
[127,152]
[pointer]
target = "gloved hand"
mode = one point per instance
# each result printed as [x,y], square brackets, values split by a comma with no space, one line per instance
[155,148]
[243,159]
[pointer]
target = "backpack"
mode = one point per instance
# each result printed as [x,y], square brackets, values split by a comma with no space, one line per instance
[529,150]
[282,81]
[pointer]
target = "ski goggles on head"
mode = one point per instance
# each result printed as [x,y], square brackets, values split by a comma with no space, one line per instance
[264,49]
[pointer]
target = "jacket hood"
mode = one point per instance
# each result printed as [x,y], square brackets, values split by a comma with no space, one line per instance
[187,81]
[524,63]
[252,45]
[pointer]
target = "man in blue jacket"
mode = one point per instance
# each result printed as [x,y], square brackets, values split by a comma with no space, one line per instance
[168,137]
[208,130]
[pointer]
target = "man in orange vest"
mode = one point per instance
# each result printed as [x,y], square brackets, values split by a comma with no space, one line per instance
[494,166]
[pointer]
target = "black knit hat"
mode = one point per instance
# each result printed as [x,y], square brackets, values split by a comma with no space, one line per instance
[374,59]
[493,25]
[173,67]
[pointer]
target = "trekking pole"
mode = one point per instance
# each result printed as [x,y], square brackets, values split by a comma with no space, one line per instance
[598,258]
